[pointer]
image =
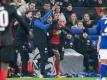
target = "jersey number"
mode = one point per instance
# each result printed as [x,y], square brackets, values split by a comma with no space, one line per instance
[105,30]
[4,19]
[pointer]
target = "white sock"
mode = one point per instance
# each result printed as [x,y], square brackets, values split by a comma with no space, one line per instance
[103,78]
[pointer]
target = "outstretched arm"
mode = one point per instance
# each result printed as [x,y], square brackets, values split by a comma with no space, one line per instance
[46,16]
[41,25]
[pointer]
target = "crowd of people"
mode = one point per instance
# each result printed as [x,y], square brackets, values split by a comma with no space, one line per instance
[49,25]
[64,3]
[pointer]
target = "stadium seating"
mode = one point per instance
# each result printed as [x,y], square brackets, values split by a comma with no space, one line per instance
[92,31]
[76,31]
[93,36]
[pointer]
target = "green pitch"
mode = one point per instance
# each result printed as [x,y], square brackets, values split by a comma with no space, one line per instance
[52,79]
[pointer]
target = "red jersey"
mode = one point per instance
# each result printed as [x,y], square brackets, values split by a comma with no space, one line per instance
[55,38]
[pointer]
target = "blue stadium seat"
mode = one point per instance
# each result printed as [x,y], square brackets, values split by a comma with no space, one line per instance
[76,31]
[93,37]
[92,31]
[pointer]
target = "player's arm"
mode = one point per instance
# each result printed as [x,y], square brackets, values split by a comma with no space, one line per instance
[41,25]
[98,28]
[21,21]
[98,44]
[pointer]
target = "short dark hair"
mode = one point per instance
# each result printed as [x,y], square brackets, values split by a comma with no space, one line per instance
[35,11]
[69,5]
[32,1]
[28,12]
[47,2]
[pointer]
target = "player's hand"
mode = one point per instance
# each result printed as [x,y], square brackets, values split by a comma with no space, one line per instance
[58,32]
[31,35]
[29,44]
[53,8]
[16,22]
[16,51]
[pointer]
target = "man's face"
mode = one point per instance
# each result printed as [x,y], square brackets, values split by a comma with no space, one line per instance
[29,15]
[38,15]
[69,8]
[56,16]
[86,17]
[32,6]
[47,6]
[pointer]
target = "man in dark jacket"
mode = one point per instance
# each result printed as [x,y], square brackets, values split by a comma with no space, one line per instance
[46,7]
[40,37]
[6,36]
[84,46]
[21,40]
[67,13]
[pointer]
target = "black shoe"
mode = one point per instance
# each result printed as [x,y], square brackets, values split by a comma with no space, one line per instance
[17,75]
[26,75]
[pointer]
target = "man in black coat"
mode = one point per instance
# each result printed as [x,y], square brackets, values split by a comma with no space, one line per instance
[83,45]
[40,37]
[8,13]
[21,40]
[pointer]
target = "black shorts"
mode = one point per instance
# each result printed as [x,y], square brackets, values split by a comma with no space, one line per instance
[57,48]
[7,54]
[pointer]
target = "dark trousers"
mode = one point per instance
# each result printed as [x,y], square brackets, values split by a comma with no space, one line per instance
[44,57]
[14,65]
[91,59]
[24,58]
